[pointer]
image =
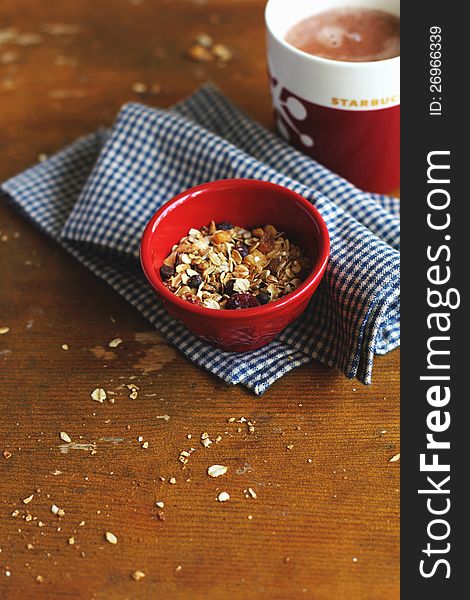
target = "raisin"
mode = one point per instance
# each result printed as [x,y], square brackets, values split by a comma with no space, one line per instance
[166,272]
[270,229]
[239,300]
[266,243]
[194,281]
[242,249]
[263,297]
[224,226]
[228,289]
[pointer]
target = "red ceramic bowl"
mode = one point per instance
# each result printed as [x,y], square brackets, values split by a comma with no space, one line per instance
[247,203]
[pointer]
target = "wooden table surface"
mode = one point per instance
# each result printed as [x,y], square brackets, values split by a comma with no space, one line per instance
[325,520]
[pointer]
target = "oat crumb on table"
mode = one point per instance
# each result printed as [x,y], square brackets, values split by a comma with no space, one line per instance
[139,88]
[110,537]
[252,493]
[137,575]
[57,511]
[98,394]
[65,437]
[216,470]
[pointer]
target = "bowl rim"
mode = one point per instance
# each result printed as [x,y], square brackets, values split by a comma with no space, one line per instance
[265,310]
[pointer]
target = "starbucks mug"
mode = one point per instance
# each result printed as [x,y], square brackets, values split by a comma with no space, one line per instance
[344,114]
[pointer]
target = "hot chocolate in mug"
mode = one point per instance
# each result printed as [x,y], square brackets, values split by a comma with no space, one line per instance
[344,114]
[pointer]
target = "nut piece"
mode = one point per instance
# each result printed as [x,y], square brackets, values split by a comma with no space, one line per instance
[220,237]
[394,458]
[28,499]
[65,437]
[115,343]
[223,497]
[4,330]
[217,470]
[111,538]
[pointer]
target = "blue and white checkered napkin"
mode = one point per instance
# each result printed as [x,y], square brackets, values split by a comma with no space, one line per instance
[96,195]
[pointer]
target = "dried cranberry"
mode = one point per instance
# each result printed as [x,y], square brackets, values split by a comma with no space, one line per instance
[166,272]
[224,226]
[192,299]
[194,281]
[239,300]
[263,297]
[242,249]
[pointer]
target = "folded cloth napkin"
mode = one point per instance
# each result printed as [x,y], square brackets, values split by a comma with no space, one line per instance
[95,196]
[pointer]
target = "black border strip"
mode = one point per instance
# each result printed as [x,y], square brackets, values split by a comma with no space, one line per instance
[424,132]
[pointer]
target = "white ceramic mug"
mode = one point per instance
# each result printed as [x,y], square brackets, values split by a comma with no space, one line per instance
[344,114]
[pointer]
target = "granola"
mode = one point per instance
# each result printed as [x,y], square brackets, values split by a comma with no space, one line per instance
[224,266]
